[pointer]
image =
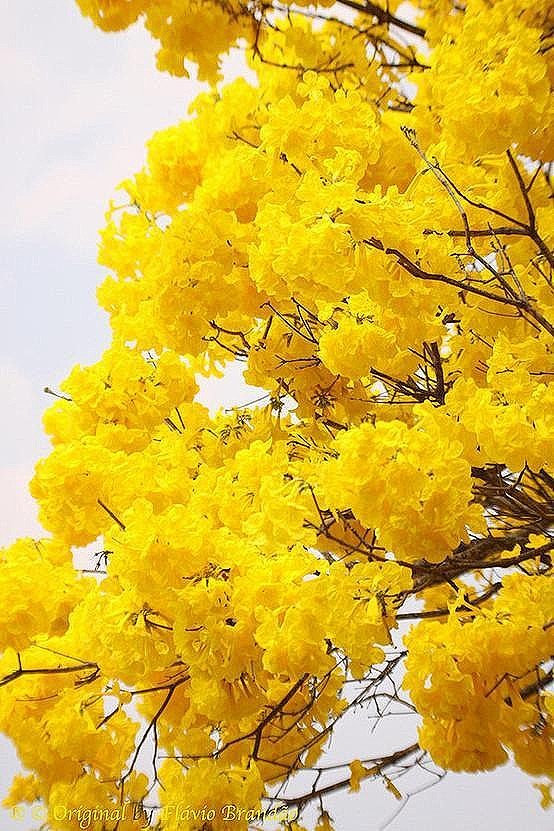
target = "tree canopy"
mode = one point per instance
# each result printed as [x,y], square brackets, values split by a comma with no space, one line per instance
[367,227]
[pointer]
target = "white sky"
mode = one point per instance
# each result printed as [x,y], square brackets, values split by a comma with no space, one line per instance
[77,107]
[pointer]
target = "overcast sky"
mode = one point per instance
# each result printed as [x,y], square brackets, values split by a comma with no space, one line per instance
[77,107]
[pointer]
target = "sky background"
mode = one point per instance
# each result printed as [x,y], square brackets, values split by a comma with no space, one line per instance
[77,107]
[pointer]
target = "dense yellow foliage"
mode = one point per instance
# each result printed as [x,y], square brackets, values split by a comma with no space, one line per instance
[369,230]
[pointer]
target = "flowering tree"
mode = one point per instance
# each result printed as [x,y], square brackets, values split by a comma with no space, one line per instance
[368,228]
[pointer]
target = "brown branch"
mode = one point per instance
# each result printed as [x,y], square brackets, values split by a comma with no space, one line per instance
[523,304]
[384,16]
[531,689]
[480,232]
[533,233]
[49,391]
[151,726]
[523,189]
[527,229]
[377,41]
[383,674]
[310,338]
[111,514]
[377,766]
[256,733]
[274,711]
[527,502]
[417,388]
[435,613]
[18,673]
[528,554]
[413,269]
[467,556]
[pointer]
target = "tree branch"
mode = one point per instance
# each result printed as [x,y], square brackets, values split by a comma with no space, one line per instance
[377,765]
[384,16]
